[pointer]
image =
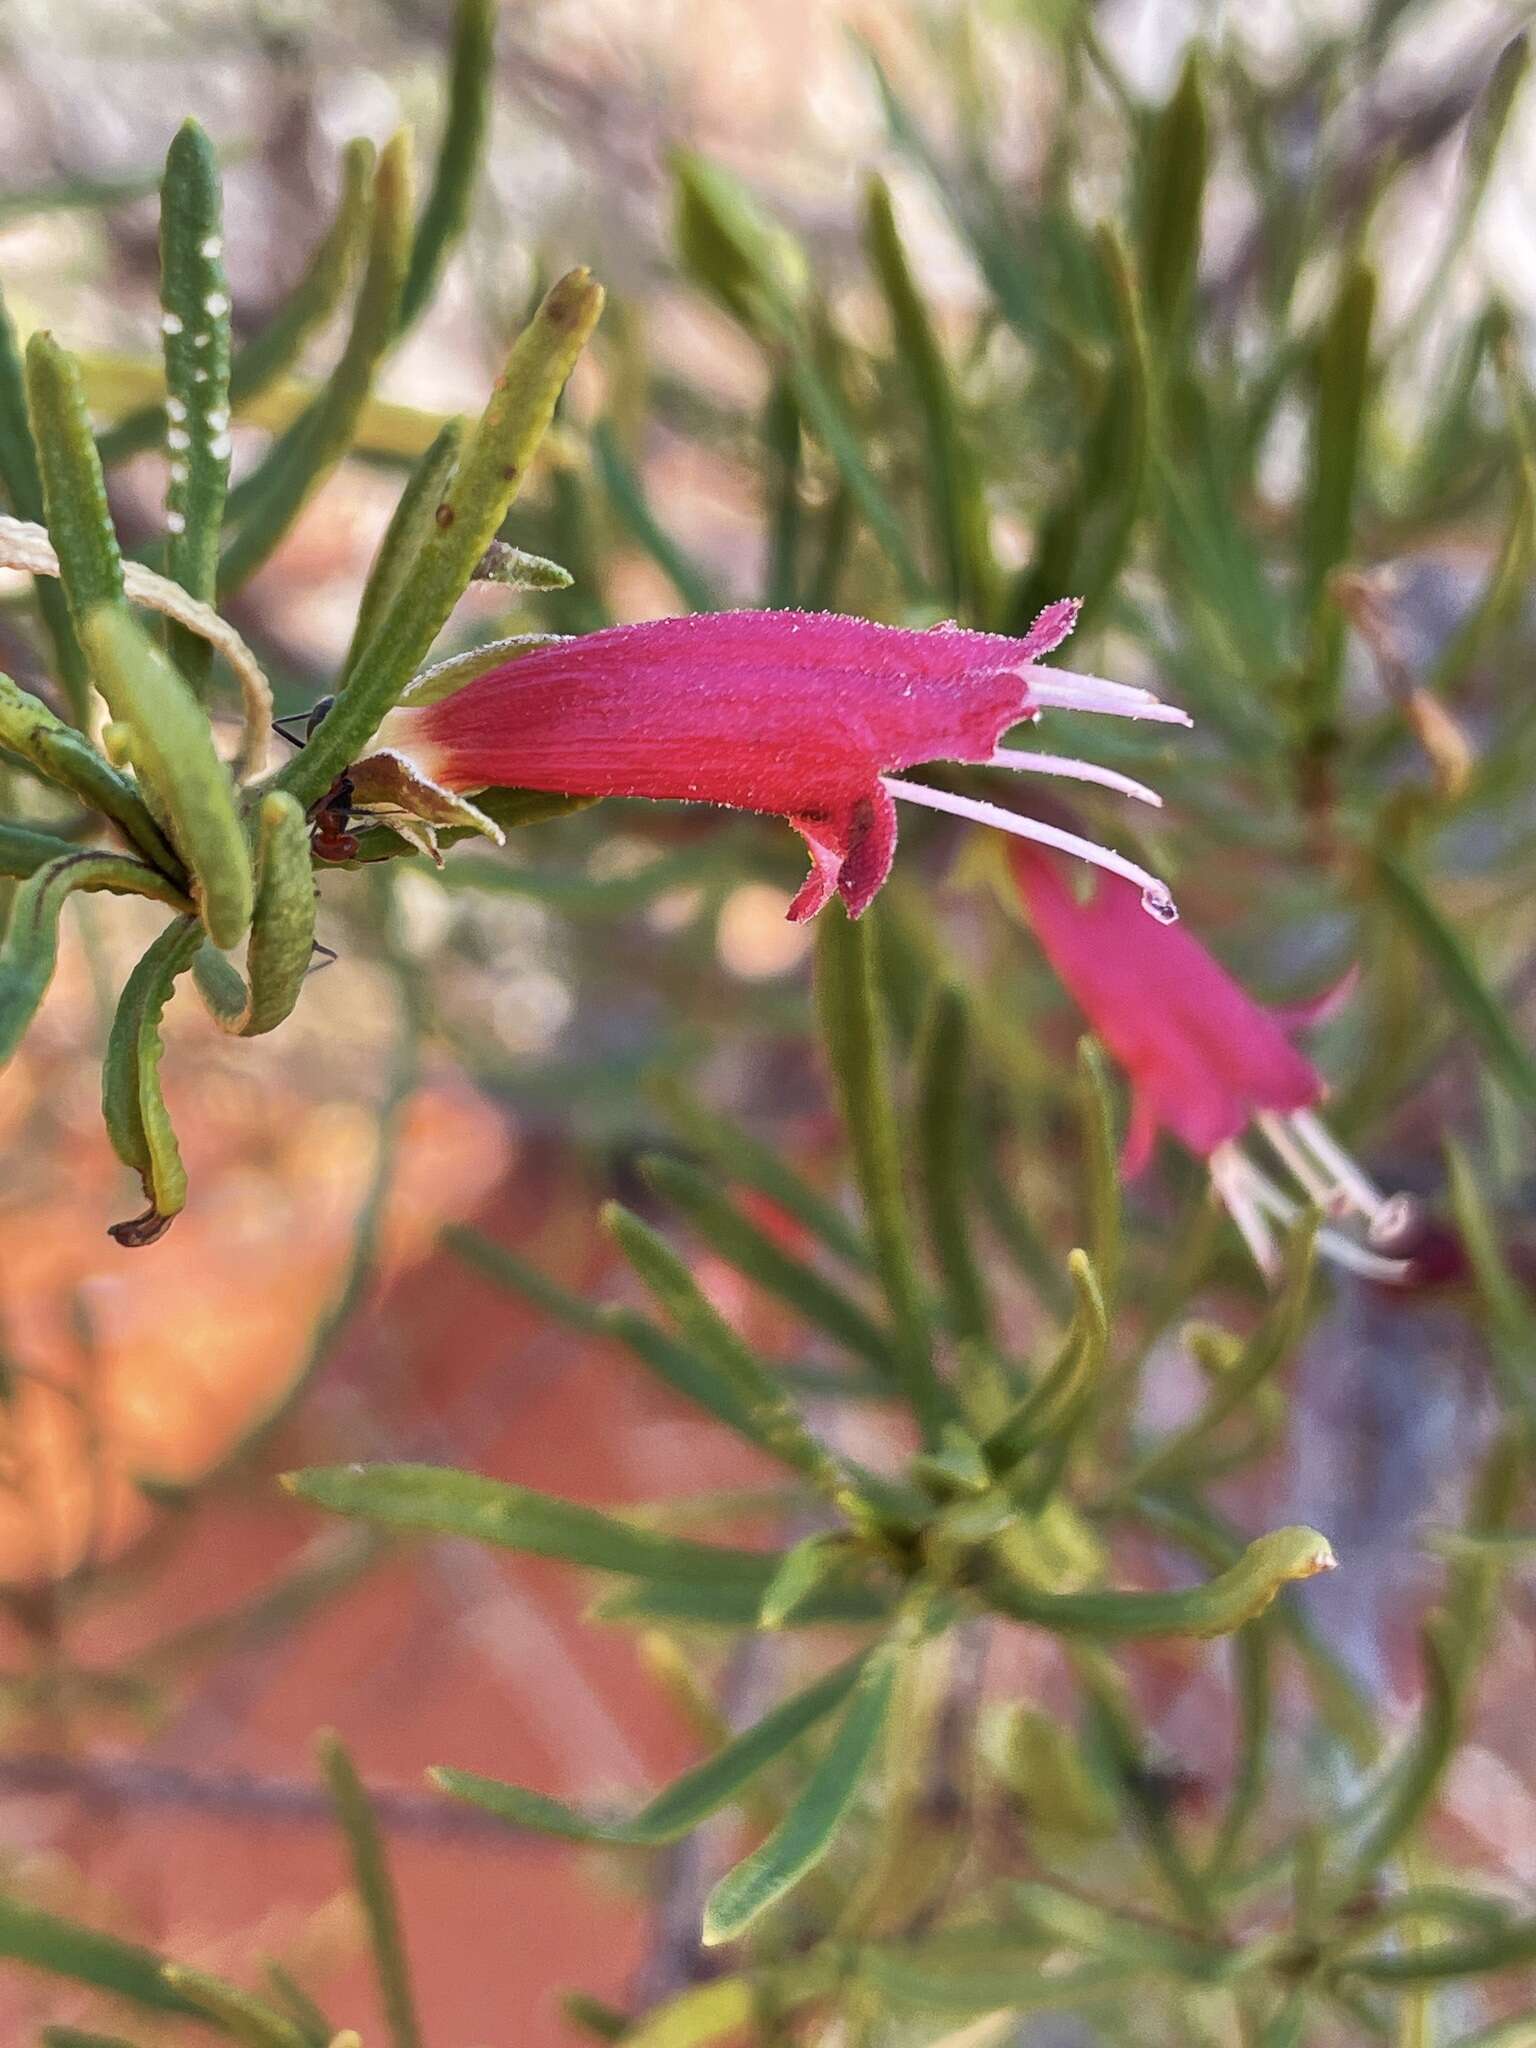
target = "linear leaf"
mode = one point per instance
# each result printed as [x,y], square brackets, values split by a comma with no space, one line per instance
[1463,985]
[852,1030]
[438,1501]
[375,1891]
[259,362]
[30,949]
[23,486]
[132,1100]
[753,1252]
[807,1831]
[776,1423]
[493,465]
[466,122]
[173,750]
[1216,1608]
[688,1800]
[303,457]
[194,326]
[65,1949]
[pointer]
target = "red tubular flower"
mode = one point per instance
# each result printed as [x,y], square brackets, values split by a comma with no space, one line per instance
[805,715]
[1206,1062]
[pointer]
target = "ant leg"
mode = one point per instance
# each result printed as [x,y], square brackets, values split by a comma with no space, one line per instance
[328,956]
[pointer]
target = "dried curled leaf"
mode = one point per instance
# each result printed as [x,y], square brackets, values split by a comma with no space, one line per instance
[25,545]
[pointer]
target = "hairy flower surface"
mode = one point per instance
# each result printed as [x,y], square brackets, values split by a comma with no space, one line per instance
[1206,1063]
[805,715]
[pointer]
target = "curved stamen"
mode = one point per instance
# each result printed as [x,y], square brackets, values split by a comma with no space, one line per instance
[1066,690]
[1246,1190]
[1320,1187]
[1154,896]
[1230,1183]
[1075,771]
[1387,1215]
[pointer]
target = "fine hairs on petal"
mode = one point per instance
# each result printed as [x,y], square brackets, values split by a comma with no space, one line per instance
[1155,898]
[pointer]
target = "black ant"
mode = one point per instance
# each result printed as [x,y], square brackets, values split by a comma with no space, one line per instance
[329,818]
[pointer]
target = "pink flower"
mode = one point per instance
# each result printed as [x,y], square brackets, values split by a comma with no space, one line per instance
[805,715]
[1206,1063]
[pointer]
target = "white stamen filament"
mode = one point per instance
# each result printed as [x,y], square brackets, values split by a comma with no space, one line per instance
[1075,771]
[1230,1184]
[1154,896]
[1065,690]
[1252,1198]
[1320,1187]
[1386,1215]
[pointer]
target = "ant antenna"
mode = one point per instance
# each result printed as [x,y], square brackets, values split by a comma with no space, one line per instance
[280,727]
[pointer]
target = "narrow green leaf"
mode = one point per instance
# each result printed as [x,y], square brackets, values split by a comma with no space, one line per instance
[22,483]
[808,1566]
[807,1831]
[471,87]
[242,2016]
[132,1101]
[1511,1319]
[194,296]
[1341,378]
[631,506]
[1101,1169]
[1114,1729]
[78,518]
[77,2037]
[30,949]
[282,929]
[1270,1347]
[1514,1948]
[1054,1404]
[688,1800]
[724,242]
[711,1603]
[748,1160]
[259,362]
[1508,1057]
[65,1949]
[375,1891]
[437,1501]
[305,455]
[301,2008]
[853,1035]
[960,525]
[173,749]
[1216,1608]
[945,1143]
[777,1424]
[781,443]
[1172,191]
[673,1363]
[492,467]
[23,852]
[753,1252]
[1085,1924]
[826,413]
[66,757]
[408,527]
